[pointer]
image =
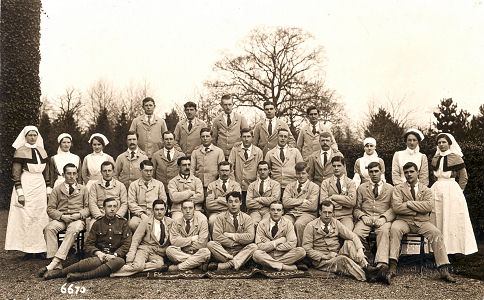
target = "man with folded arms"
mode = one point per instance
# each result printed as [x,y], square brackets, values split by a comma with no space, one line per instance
[68,208]
[233,236]
[216,202]
[412,203]
[261,193]
[300,201]
[107,244]
[341,191]
[322,244]
[188,238]
[276,241]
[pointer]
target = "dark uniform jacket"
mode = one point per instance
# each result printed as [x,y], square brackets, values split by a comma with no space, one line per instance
[109,236]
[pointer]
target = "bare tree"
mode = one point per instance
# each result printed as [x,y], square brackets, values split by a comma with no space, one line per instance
[132,97]
[100,96]
[281,65]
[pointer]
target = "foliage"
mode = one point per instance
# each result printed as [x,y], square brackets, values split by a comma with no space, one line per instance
[476,131]
[280,65]
[382,126]
[19,78]
[450,120]
[171,119]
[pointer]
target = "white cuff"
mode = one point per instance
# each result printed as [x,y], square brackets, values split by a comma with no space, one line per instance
[20,192]
[49,190]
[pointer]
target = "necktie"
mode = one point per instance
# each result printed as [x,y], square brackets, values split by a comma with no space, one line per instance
[281,154]
[236,223]
[162,233]
[299,188]
[187,226]
[146,184]
[412,190]
[107,183]
[228,120]
[338,185]
[269,128]
[325,157]
[314,129]
[224,185]
[71,189]
[149,120]
[132,154]
[168,156]
[246,154]
[375,190]
[274,230]
[190,125]
[207,149]
[326,228]
[261,187]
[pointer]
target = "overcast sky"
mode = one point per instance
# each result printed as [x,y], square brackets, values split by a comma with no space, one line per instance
[420,50]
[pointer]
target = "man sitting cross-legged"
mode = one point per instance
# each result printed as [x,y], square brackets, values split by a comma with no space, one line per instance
[107,243]
[322,245]
[188,238]
[412,202]
[233,236]
[149,243]
[276,241]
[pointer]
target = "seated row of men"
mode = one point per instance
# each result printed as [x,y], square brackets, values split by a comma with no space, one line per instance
[375,206]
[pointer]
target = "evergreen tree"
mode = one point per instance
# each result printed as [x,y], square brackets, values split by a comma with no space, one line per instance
[103,126]
[171,119]
[121,129]
[382,126]
[49,137]
[450,120]
[476,131]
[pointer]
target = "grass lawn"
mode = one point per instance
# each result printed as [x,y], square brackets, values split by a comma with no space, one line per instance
[18,280]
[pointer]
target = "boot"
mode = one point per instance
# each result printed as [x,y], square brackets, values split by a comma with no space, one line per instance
[56,273]
[101,271]
[445,275]
[392,270]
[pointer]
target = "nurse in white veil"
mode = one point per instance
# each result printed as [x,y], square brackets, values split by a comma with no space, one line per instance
[63,157]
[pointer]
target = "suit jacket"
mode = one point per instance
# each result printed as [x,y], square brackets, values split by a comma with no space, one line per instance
[317,243]
[98,192]
[226,136]
[257,202]
[410,210]
[308,142]
[266,142]
[283,172]
[243,235]
[164,169]
[318,172]
[367,205]
[60,202]
[180,238]
[143,236]
[245,170]
[189,140]
[215,201]
[344,202]
[140,197]
[291,199]
[150,139]
[263,237]
[179,190]
[205,165]
[127,169]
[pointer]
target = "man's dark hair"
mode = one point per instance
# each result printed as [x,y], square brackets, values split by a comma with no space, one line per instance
[301,166]
[132,133]
[180,159]
[69,165]
[275,202]
[409,165]
[158,201]
[224,163]
[206,129]
[107,163]
[339,158]
[267,103]
[327,204]
[189,104]
[244,130]
[167,132]
[310,108]
[233,194]
[374,164]
[108,200]
[226,97]
[148,99]
[144,163]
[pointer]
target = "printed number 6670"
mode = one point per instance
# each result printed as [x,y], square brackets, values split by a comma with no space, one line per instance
[72,289]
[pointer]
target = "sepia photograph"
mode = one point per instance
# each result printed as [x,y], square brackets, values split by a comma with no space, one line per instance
[215,149]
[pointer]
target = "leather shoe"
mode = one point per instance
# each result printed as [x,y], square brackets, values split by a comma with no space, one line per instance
[212,266]
[302,267]
[42,271]
[163,268]
[445,275]
[51,274]
[74,277]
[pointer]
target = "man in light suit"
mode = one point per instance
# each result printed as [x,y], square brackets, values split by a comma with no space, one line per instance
[300,200]
[276,242]
[282,160]
[373,212]
[244,158]
[187,131]
[233,236]
[308,138]
[149,128]
[266,131]
[412,203]
[127,163]
[227,126]
[216,202]
[320,162]
[183,187]
[149,243]
[141,194]
[261,193]
[188,238]
[205,159]
[341,191]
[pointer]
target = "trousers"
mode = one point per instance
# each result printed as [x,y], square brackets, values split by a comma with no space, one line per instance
[187,261]
[240,254]
[50,234]
[276,259]
[382,239]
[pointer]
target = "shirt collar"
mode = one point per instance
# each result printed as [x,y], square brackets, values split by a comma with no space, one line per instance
[111,182]
[380,183]
[209,147]
[328,152]
[135,150]
[74,185]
